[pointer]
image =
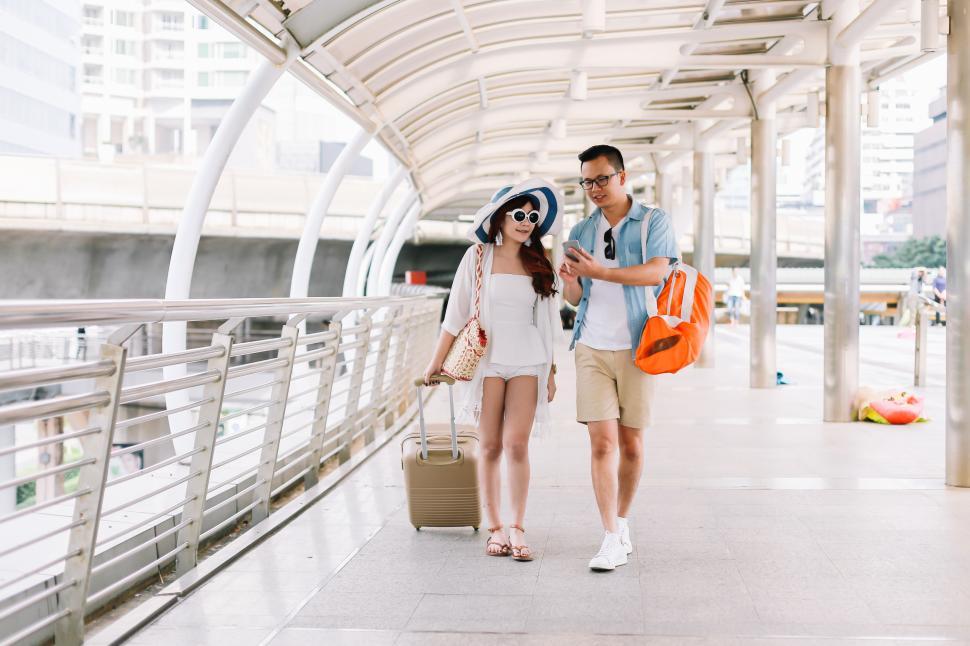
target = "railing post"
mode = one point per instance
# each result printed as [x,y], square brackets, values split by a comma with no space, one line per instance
[274,423]
[205,439]
[318,432]
[87,508]
[919,370]
[393,314]
[356,379]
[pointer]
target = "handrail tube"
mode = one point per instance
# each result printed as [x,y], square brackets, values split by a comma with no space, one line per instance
[53,407]
[233,498]
[141,419]
[157,440]
[44,505]
[31,600]
[246,411]
[155,388]
[255,347]
[17,638]
[134,550]
[48,314]
[228,521]
[16,482]
[260,366]
[93,599]
[250,389]
[55,439]
[152,468]
[146,496]
[33,377]
[38,569]
[154,361]
[225,439]
[147,521]
[40,537]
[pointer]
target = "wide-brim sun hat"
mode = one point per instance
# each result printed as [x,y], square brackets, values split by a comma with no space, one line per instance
[544,193]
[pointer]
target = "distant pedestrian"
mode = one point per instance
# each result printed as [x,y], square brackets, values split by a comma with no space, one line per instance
[917,280]
[939,292]
[734,296]
[82,345]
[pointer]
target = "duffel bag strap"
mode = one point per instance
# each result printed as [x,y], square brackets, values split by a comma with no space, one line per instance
[687,305]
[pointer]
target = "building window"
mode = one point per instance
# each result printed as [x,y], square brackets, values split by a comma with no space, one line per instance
[230,79]
[171,21]
[232,50]
[125,47]
[93,15]
[203,50]
[123,18]
[93,74]
[92,44]
[202,22]
[168,78]
[126,77]
[204,79]
[168,50]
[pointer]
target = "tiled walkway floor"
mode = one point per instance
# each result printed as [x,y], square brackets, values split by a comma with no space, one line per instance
[755,524]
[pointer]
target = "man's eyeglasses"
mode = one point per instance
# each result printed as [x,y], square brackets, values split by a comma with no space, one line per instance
[519,215]
[610,251]
[600,181]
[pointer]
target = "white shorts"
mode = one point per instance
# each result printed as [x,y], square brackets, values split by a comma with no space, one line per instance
[509,372]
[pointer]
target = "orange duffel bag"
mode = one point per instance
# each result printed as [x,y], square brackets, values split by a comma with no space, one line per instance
[678,322]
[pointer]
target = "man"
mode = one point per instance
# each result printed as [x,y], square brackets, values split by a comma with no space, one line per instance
[939,291]
[606,278]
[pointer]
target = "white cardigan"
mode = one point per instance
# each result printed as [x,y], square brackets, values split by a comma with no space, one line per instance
[460,308]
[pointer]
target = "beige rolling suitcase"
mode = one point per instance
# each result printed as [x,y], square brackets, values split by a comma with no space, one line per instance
[440,465]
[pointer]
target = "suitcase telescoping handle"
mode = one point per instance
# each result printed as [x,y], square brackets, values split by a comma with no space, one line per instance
[419,382]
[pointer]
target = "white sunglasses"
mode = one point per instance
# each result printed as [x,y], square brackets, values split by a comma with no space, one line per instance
[520,215]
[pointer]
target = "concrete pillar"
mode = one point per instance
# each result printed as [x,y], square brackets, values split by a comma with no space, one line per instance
[704,233]
[764,255]
[842,209]
[958,248]
[664,191]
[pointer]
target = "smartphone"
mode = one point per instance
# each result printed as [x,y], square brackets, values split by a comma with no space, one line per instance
[569,245]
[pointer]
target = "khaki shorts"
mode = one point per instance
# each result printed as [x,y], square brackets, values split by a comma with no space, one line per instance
[610,386]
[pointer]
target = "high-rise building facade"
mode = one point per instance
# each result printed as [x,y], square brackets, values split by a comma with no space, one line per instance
[929,174]
[157,77]
[40,103]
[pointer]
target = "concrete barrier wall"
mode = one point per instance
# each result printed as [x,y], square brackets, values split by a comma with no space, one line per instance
[43,264]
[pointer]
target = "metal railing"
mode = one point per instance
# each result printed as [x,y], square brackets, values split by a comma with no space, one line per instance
[266,414]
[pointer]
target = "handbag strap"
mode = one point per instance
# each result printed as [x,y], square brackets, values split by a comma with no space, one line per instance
[479,270]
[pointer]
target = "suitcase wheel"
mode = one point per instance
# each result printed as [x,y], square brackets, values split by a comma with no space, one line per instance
[475,528]
[417,528]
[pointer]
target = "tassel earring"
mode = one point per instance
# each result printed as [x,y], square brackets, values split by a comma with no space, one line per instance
[498,239]
[528,242]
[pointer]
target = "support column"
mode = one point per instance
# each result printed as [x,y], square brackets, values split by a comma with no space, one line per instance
[182,262]
[664,191]
[958,248]
[365,231]
[704,234]
[386,273]
[380,247]
[303,263]
[842,209]
[764,255]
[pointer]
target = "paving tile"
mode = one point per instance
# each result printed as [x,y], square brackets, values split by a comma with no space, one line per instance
[334,637]
[472,613]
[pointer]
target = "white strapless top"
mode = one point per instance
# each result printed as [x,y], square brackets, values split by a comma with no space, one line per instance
[514,338]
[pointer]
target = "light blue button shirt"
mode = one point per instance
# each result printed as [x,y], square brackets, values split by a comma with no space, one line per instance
[661,243]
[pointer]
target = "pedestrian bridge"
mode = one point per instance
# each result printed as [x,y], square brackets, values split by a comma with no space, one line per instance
[241,483]
[285,523]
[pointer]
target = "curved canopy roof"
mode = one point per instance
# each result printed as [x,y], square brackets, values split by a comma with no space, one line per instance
[470,94]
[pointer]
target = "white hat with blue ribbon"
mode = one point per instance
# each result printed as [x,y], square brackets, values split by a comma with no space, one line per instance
[543,193]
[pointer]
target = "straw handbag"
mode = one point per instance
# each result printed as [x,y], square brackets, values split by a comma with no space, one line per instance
[471,343]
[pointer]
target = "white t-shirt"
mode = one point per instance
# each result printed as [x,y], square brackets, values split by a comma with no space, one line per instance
[736,286]
[605,326]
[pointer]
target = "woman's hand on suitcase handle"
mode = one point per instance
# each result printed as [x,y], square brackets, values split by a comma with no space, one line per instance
[552,386]
[433,369]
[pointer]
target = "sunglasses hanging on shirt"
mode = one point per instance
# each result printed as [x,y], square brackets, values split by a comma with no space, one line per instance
[610,251]
[519,215]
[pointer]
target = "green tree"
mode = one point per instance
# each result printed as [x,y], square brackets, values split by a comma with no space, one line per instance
[920,252]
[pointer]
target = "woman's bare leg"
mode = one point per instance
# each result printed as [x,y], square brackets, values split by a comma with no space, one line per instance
[490,442]
[520,411]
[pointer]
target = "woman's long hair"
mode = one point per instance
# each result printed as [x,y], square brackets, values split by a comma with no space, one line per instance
[533,256]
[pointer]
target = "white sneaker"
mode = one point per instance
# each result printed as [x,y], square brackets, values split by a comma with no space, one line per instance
[612,554]
[625,539]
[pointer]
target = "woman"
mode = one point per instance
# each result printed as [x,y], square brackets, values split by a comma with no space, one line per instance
[515,380]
